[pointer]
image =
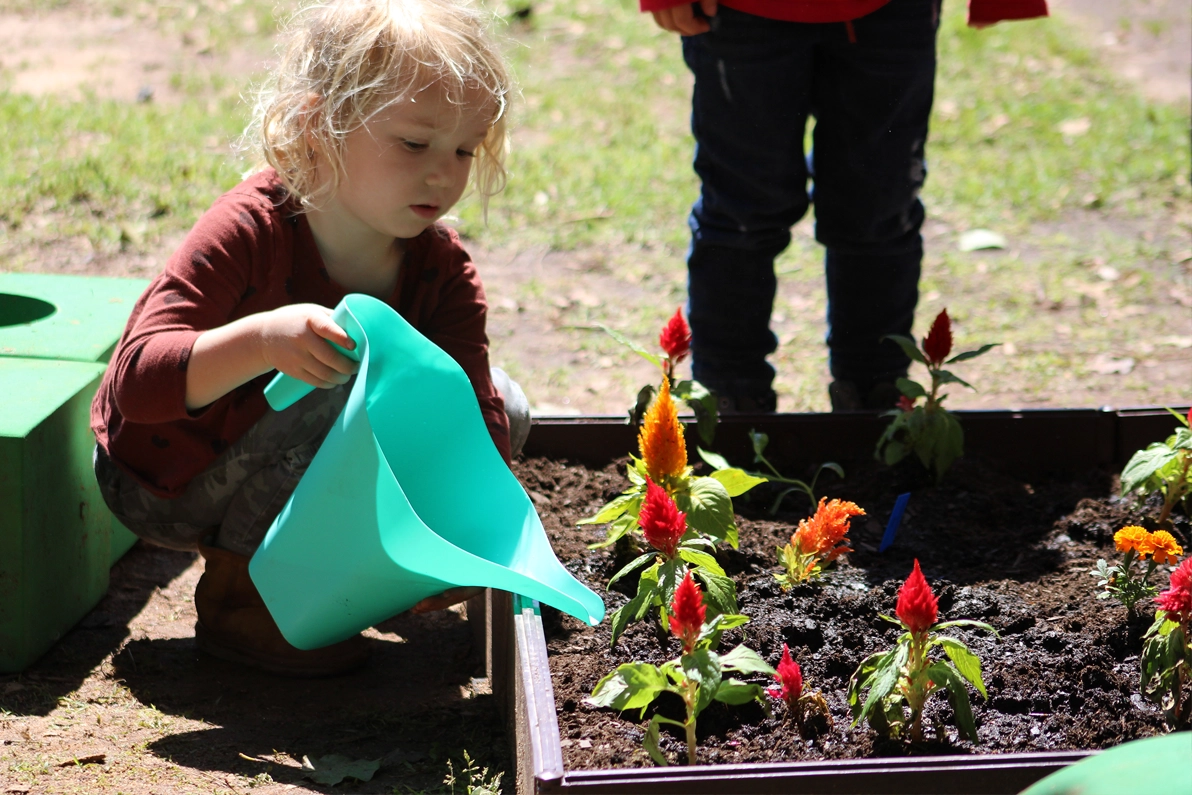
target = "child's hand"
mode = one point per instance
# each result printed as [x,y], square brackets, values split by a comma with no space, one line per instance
[452,596]
[294,341]
[682,19]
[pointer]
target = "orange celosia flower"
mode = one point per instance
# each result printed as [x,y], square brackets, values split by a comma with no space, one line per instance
[661,438]
[1166,548]
[828,527]
[1134,538]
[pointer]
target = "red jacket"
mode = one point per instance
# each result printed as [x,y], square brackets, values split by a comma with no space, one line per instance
[252,253]
[981,12]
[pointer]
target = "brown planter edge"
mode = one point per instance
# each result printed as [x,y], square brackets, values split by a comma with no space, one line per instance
[1034,440]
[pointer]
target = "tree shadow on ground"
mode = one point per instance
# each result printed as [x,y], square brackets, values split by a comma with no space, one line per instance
[413,706]
[134,579]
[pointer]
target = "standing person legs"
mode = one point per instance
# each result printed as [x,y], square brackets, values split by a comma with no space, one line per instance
[749,110]
[872,99]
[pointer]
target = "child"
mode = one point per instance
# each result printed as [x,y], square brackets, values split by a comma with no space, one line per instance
[865,69]
[377,115]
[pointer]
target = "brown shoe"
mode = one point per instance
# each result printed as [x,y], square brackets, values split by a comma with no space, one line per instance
[235,625]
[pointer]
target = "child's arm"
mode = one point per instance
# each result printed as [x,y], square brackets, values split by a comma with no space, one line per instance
[681,18]
[292,339]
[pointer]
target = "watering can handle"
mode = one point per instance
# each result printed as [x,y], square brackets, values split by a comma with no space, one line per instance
[284,390]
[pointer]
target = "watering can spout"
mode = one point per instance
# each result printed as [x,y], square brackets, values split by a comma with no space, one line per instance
[406,498]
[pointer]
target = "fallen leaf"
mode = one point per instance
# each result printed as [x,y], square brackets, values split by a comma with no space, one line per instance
[1072,128]
[980,239]
[333,768]
[91,759]
[585,743]
[1107,365]
[1109,273]
[1176,342]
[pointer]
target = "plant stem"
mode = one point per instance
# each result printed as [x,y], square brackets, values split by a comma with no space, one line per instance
[690,692]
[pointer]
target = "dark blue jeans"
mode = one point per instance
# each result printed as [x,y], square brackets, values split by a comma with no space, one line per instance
[870,91]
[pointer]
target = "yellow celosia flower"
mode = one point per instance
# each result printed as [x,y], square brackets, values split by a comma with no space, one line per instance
[660,440]
[1133,538]
[1166,548]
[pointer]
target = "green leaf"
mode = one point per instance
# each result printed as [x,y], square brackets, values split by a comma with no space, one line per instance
[333,768]
[759,441]
[635,608]
[960,622]
[961,357]
[670,577]
[884,677]
[966,662]
[944,676]
[623,526]
[633,346]
[703,667]
[703,404]
[631,686]
[737,481]
[912,389]
[947,377]
[745,660]
[908,347]
[720,592]
[714,460]
[708,507]
[613,509]
[637,563]
[734,692]
[1145,463]
[650,741]
[701,560]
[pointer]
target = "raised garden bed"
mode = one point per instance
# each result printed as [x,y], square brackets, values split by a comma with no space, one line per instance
[1008,538]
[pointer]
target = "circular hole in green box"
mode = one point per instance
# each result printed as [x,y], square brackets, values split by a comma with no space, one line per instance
[16,310]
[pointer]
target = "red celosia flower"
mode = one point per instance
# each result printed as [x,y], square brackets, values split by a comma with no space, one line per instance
[790,679]
[820,534]
[906,404]
[917,605]
[675,338]
[662,523]
[661,442]
[1178,600]
[938,342]
[687,613]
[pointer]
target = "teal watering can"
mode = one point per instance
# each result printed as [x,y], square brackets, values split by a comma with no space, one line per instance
[406,498]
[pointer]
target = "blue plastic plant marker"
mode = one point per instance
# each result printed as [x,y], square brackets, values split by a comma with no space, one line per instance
[895,521]
[406,498]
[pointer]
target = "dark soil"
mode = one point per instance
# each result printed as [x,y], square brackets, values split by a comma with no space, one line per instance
[1063,675]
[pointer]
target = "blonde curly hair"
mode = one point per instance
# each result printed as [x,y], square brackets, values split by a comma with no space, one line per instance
[346,60]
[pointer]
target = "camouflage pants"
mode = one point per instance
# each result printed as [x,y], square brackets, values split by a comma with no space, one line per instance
[233,502]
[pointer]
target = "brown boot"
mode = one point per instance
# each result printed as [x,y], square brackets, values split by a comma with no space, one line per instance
[235,625]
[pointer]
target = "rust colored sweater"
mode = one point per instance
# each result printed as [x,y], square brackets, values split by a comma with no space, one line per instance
[981,12]
[251,253]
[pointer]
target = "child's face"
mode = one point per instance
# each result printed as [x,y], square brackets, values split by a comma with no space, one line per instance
[409,164]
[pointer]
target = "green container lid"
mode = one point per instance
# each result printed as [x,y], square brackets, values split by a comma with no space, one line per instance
[1154,766]
[407,497]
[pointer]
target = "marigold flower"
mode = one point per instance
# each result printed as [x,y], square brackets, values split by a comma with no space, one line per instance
[675,338]
[687,613]
[1178,600]
[917,607]
[789,678]
[662,523]
[938,342]
[827,528]
[1165,548]
[661,438]
[1133,538]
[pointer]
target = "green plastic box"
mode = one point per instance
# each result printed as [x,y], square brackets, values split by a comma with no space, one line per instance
[55,531]
[68,318]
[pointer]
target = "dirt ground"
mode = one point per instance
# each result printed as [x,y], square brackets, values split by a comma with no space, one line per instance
[124,703]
